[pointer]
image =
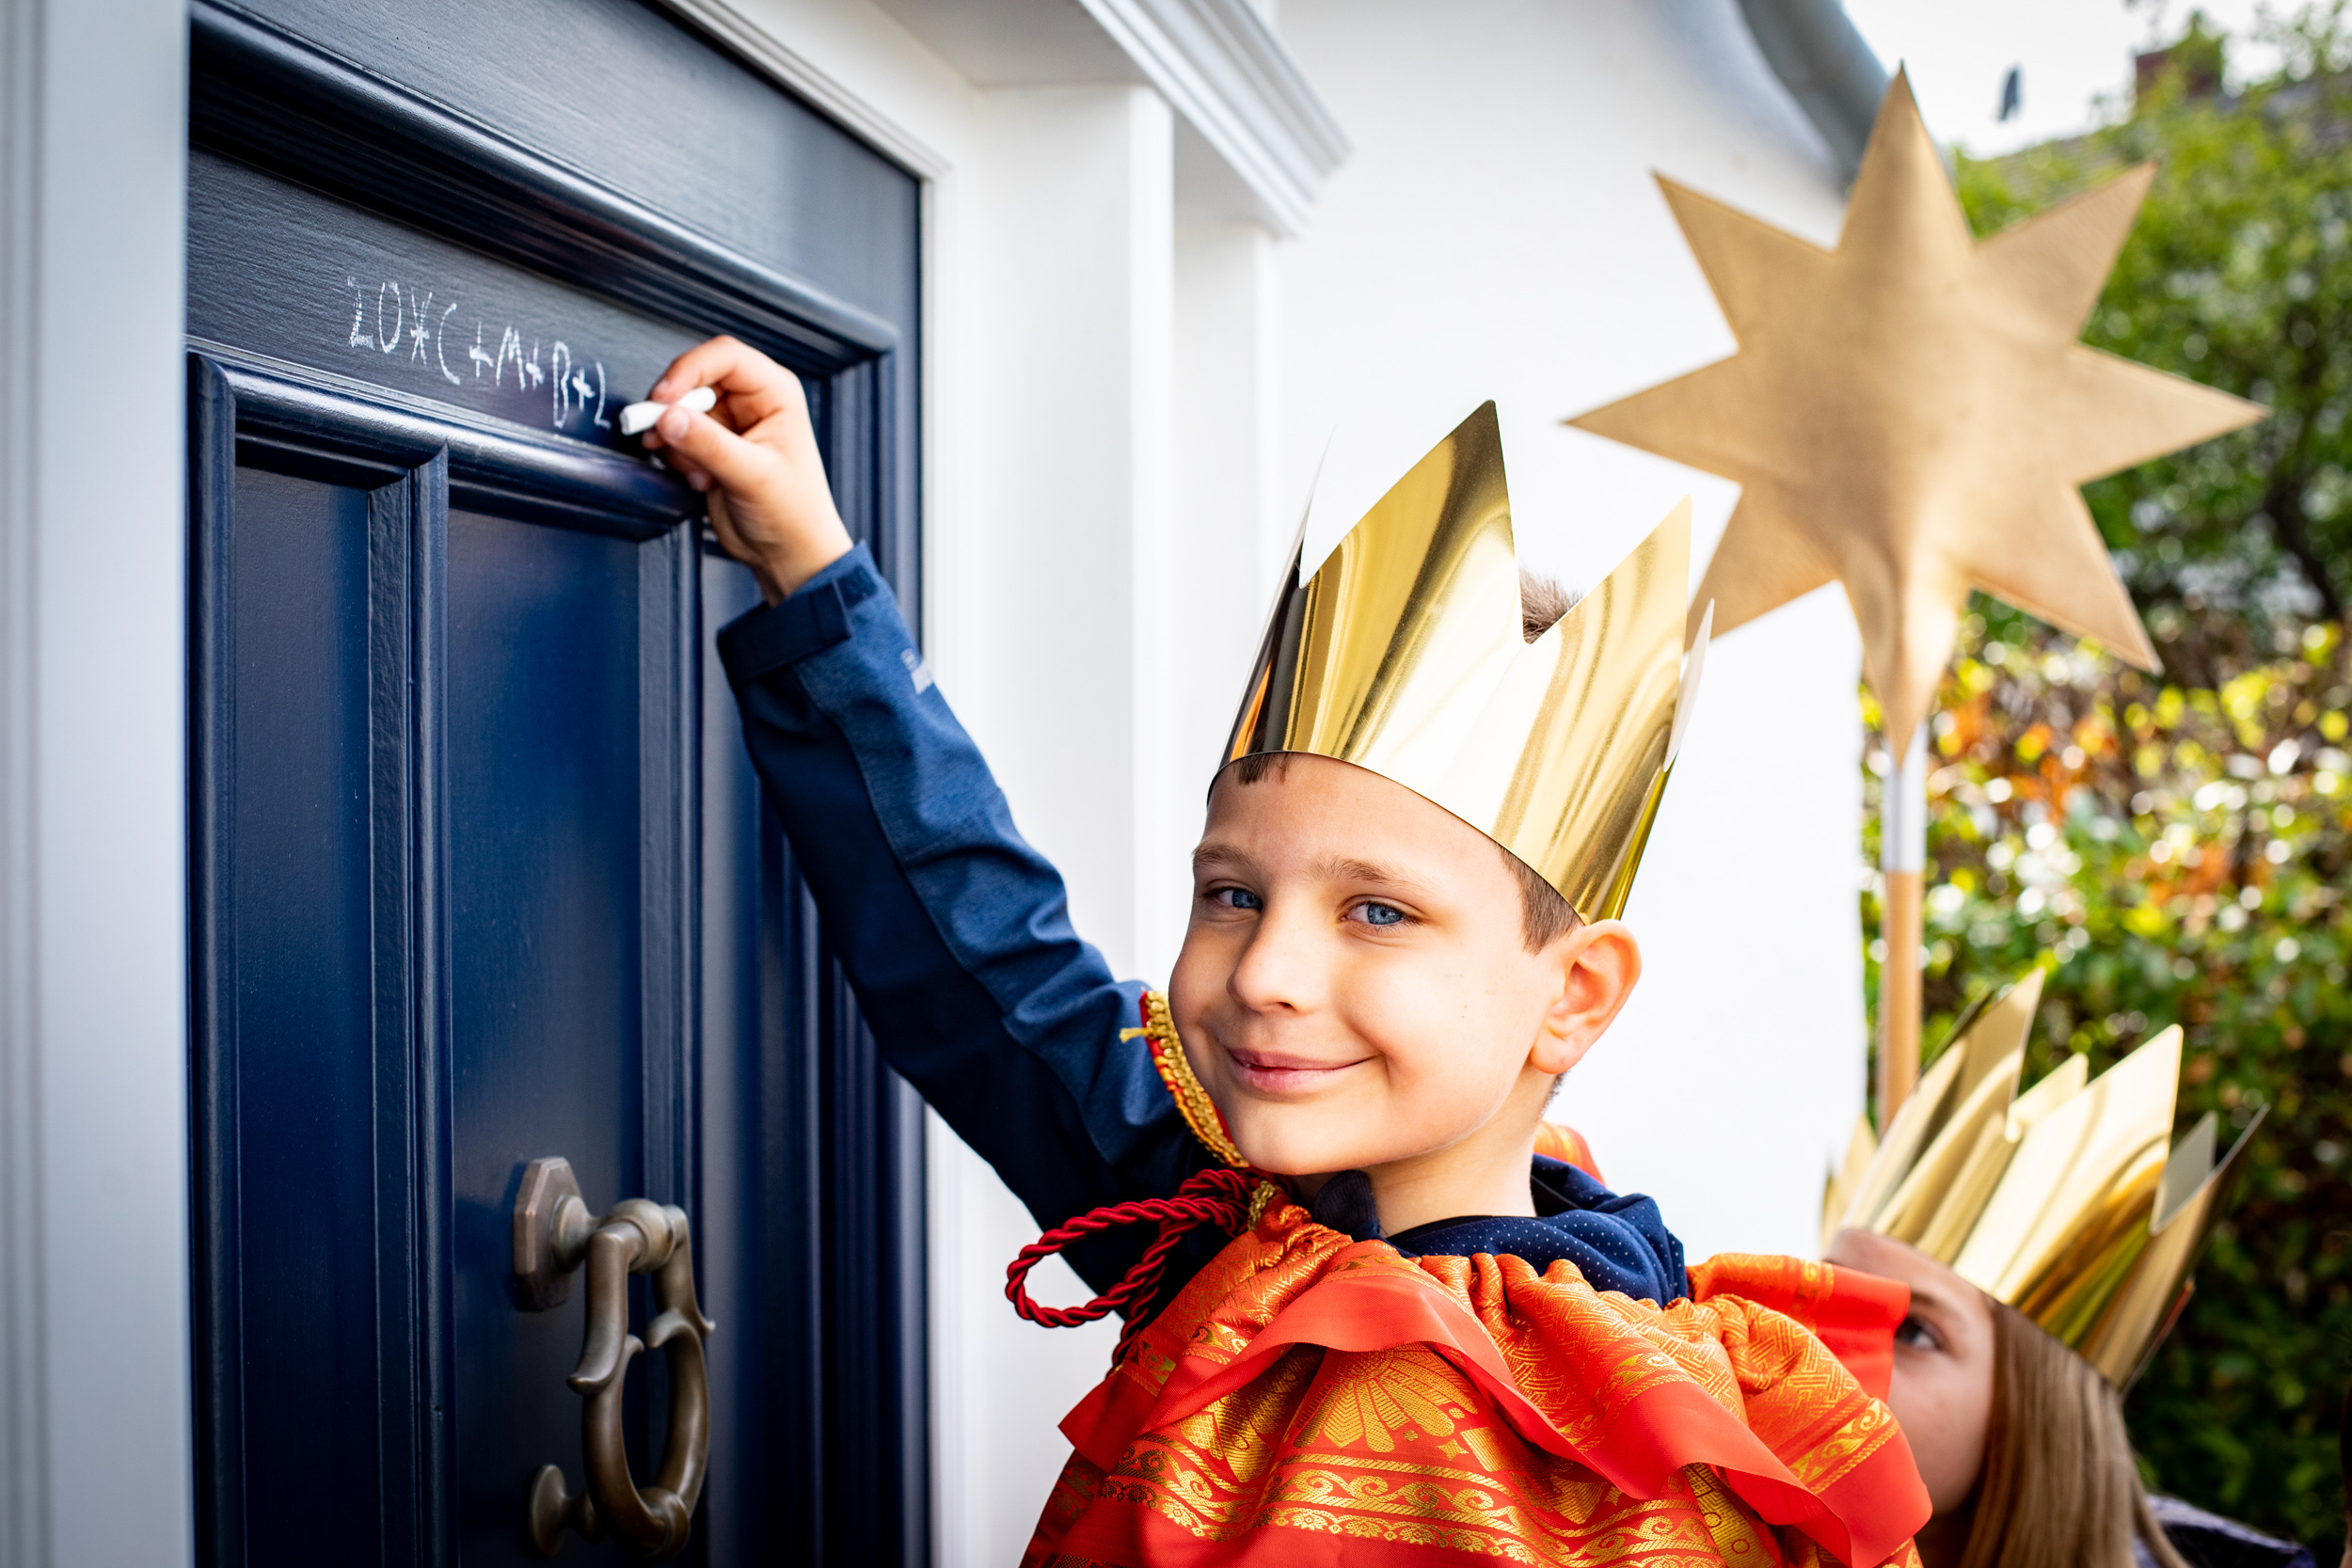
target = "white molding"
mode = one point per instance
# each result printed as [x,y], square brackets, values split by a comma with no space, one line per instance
[1218,63]
[1068,254]
[760,46]
[1221,66]
[95,1435]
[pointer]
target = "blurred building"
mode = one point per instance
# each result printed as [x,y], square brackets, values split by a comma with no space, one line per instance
[1083,289]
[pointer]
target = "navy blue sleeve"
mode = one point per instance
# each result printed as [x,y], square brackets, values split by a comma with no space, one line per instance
[954,932]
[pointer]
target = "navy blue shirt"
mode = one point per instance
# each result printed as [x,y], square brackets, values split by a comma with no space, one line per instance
[1617,1242]
[956,936]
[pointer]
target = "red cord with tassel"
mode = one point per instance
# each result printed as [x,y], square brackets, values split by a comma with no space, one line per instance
[1218,1197]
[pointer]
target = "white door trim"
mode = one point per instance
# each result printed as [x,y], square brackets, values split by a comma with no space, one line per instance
[94,1343]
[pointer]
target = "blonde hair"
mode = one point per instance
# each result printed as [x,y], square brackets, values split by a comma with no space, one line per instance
[2060,1486]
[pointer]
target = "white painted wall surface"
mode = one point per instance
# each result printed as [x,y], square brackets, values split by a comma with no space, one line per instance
[1068,387]
[1229,525]
[1497,235]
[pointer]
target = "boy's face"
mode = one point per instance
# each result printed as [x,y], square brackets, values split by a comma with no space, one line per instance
[1355,989]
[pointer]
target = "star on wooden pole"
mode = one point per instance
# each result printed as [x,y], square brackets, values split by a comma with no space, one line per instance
[1910,414]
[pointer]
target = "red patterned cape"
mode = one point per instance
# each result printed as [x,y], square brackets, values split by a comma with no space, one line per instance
[1310,1400]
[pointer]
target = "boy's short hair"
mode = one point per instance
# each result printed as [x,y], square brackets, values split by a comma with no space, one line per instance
[1545,917]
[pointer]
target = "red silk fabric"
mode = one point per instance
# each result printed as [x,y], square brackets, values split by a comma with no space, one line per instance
[1311,1400]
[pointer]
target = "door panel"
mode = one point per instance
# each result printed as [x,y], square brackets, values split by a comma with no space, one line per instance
[305,1066]
[343,291]
[482,872]
[549,1038]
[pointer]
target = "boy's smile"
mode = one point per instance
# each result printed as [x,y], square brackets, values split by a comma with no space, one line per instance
[1277,1073]
[1356,991]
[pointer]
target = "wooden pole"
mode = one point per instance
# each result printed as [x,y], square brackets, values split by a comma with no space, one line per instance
[1902,858]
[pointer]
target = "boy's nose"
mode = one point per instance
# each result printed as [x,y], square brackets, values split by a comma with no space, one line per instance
[1283,968]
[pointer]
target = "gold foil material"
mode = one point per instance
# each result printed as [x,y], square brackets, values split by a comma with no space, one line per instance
[2103,1148]
[2062,1201]
[1403,654]
[1992,1058]
[1910,413]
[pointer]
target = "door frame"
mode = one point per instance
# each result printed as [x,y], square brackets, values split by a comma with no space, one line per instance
[94,1436]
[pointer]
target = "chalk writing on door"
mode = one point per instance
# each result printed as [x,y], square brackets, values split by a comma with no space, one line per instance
[393,319]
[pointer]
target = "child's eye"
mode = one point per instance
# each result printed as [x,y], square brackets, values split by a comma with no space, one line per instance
[1237,898]
[1374,913]
[1918,1336]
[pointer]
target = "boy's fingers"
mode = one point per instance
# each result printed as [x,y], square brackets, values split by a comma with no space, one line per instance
[701,445]
[752,386]
[668,455]
[709,363]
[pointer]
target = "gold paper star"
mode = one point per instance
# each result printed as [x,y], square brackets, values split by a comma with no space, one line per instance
[1911,414]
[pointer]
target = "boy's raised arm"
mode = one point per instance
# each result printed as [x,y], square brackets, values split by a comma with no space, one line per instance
[954,932]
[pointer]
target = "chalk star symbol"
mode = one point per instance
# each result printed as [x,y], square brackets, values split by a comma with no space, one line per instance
[1911,414]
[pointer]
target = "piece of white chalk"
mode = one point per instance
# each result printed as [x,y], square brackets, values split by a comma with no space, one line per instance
[638,418]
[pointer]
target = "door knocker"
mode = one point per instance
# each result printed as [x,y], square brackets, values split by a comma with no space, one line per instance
[554,1232]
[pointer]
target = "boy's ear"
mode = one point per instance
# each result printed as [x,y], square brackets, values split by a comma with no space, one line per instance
[1598,965]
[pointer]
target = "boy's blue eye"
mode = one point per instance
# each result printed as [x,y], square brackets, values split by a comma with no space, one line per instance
[1381,914]
[1237,898]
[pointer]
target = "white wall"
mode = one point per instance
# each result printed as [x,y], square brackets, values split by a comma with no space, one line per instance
[1497,234]
[1065,531]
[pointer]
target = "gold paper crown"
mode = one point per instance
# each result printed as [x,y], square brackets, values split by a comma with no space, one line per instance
[1404,655]
[2062,1201]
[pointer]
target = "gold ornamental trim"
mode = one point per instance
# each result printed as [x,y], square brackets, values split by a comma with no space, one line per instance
[1192,1099]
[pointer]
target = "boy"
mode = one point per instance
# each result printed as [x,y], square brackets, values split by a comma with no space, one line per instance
[1402,936]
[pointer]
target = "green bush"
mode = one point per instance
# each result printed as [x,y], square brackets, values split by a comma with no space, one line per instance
[2172,854]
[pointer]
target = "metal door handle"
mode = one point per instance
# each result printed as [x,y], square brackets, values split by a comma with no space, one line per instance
[554,1232]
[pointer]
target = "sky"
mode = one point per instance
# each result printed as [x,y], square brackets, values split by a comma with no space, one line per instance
[2071,54]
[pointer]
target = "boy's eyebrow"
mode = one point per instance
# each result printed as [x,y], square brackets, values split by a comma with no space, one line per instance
[1331,868]
[1346,868]
[1214,856]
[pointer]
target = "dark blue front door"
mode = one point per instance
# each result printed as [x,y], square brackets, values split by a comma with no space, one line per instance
[483,876]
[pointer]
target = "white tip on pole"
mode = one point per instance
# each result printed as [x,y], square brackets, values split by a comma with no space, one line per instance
[1903,814]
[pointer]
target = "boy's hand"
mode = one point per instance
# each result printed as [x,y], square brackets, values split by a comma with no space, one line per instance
[755,454]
